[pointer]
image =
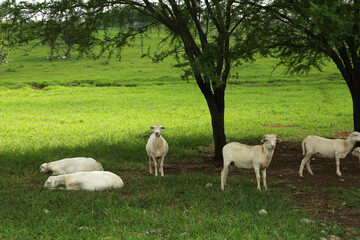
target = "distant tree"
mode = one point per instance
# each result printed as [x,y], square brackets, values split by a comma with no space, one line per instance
[3,55]
[303,34]
[199,33]
[4,50]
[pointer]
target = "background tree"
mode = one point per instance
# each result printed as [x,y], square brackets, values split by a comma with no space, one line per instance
[303,34]
[199,33]
[3,55]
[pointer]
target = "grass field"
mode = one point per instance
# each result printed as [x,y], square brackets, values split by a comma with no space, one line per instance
[81,107]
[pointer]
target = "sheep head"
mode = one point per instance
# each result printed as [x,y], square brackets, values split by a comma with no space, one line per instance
[44,168]
[51,182]
[270,140]
[157,130]
[354,136]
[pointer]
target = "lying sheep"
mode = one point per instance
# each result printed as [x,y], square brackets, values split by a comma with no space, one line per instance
[157,148]
[356,153]
[71,165]
[327,148]
[91,181]
[243,156]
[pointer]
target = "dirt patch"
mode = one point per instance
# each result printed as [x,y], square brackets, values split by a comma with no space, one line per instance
[307,191]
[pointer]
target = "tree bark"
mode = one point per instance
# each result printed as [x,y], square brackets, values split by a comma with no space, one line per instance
[216,104]
[67,54]
[355,95]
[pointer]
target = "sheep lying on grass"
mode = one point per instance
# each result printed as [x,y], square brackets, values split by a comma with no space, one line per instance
[326,148]
[243,156]
[71,165]
[91,181]
[157,148]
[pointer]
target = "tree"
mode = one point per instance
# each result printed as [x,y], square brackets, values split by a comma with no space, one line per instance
[200,33]
[4,51]
[3,55]
[305,33]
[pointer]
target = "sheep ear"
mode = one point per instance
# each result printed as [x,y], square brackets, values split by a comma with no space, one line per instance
[263,138]
[162,127]
[278,140]
[151,127]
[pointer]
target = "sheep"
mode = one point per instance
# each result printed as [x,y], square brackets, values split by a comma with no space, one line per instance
[243,156]
[71,165]
[326,148]
[157,148]
[91,181]
[356,153]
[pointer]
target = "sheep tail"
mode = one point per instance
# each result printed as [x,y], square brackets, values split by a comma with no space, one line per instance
[303,148]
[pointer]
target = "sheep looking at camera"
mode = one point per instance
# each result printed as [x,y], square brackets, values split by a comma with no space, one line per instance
[91,181]
[157,148]
[71,165]
[326,148]
[244,156]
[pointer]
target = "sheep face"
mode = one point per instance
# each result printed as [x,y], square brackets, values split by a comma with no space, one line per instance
[355,136]
[157,130]
[43,167]
[356,151]
[51,182]
[270,140]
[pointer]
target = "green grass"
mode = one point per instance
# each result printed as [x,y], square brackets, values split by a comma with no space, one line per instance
[43,117]
[167,208]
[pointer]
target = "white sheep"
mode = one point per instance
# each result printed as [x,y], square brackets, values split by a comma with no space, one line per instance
[91,181]
[71,165]
[326,148]
[257,157]
[157,148]
[356,153]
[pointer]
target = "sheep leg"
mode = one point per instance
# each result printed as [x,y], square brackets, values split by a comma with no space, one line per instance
[161,168]
[150,165]
[224,174]
[337,159]
[306,158]
[156,166]
[308,167]
[257,173]
[263,173]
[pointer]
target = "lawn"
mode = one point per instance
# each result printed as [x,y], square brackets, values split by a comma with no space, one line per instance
[81,107]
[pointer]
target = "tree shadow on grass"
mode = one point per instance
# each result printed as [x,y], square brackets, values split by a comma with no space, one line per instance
[114,156]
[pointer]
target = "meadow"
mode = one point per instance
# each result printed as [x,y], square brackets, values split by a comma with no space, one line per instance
[81,107]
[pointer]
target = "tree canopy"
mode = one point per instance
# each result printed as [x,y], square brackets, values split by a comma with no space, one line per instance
[305,34]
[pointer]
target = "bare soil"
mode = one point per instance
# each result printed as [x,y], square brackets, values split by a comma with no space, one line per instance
[307,191]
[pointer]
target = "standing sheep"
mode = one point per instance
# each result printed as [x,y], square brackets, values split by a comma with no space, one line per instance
[157,148]
[71,165]
[243,156]
[326,148]
[91,181]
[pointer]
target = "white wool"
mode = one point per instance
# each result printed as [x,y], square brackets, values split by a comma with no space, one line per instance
[91,181]
[71,165]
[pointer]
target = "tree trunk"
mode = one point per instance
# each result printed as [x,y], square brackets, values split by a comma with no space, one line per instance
[67,54]
[216,106]
[355,94]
